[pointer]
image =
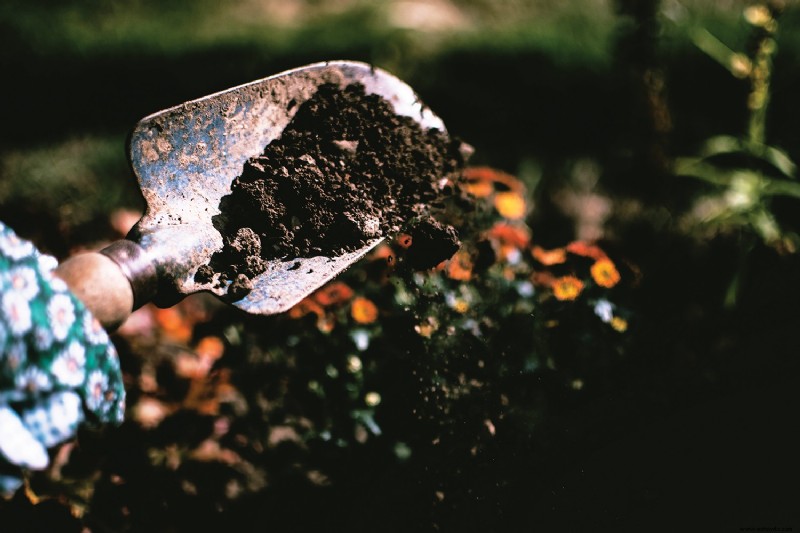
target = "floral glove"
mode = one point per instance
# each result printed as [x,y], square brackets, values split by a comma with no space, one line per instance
[58,368]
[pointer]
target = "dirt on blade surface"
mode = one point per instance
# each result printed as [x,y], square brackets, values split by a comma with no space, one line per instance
[346,170]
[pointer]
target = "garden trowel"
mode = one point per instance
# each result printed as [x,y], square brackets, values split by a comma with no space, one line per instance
[186,158]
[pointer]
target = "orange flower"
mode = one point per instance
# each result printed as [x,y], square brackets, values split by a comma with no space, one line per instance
[619,324]
[510,204]
[427,327]
[326,323]
[605,273]
[567,288]
[474,175]
[403,240]
[189,366]
[552,257]
[304,307]
[169,319]
[460,266]
[363,310]
[480,173]
[460,306]
[381,252]
[174,324]
[333,293]
[516,236]
[543,278]
[585,249]
[479,189]
[210,348]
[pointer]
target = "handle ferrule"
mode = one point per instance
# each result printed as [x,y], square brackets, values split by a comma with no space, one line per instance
[137,267]
[111,283]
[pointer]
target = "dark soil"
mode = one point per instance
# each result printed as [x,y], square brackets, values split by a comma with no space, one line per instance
[346,170]
[431,243]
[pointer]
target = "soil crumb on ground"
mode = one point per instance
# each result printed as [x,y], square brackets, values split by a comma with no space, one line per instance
[346,170]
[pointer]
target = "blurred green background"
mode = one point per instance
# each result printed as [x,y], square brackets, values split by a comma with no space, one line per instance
[519,79]
[585,101]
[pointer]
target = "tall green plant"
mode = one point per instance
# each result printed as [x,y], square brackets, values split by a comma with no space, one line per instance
[746,172]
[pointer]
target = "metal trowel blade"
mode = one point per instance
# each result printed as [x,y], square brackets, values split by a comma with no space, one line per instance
[186,158]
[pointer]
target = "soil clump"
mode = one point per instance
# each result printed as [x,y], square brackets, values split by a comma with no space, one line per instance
[346,170]
[431,243]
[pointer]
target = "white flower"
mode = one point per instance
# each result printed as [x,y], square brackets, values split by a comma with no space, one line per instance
[47,263]
[94,332]
[119,416]
[16,312]
[450,299]
[354,364]
[54,418]
[472,326]
[513,256]
[17,445]
[96,387]
[360,338]
[23,280]
[58,285]
[112,361]
[61,313]
[525,289]
[69,365]
[13,247]
[604,309]
[32,379]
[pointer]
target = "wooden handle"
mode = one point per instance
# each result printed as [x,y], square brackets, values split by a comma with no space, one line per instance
[100,284]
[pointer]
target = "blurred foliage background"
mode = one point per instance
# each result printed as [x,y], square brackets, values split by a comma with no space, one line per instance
[482,396]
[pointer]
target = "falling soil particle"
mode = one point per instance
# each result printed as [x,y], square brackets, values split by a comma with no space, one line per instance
[346,170]
[431,243]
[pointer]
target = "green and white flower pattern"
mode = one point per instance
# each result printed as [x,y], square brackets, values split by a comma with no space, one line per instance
[58,367]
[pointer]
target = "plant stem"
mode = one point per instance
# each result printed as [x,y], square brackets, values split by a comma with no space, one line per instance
[763,17]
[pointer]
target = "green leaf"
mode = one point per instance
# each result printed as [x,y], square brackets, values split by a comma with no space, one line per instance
[780,160]
[723,144]
[737,64]
[782,188]
[726,144]
[697,168]
[765,225]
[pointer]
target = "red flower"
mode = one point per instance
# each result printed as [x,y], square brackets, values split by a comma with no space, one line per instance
[585,249]
[506,234]
[476,177]
[460,266]
[333,293]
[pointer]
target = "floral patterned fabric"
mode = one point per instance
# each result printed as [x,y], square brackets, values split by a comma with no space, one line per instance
[58,368]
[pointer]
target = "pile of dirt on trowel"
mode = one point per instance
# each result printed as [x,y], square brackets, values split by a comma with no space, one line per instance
[346,170]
